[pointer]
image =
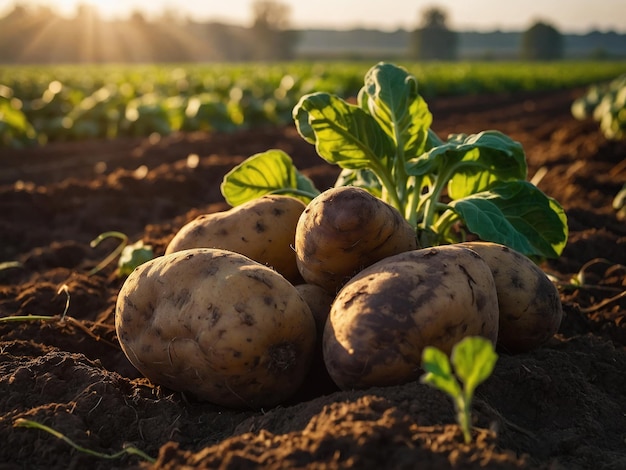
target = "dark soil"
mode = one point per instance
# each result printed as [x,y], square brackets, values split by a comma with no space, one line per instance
[562,406]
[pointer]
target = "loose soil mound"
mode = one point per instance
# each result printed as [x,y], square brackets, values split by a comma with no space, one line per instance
[561,406]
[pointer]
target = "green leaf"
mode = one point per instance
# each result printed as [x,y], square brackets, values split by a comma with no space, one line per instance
[343,134]
[473,162]
[516,214]
[474,359]
[361,178]
[391,96]
[269,172]
[439,372]
[133,256]
[15,129]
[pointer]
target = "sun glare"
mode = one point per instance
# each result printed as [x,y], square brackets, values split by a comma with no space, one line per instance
[107,9]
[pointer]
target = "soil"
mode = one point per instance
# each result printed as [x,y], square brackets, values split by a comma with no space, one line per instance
[561,406]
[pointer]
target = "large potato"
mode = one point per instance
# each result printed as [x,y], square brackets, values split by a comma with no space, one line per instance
[262,229]
[382,319]
[529,303]
[217,325]
[344,230]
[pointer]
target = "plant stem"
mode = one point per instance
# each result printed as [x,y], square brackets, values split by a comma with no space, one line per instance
[387,181]
[433,198]
[113,254]
[26,423]
[413,201]
[464,417]
[447,219]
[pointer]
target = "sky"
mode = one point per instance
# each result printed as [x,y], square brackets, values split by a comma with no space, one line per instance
[575,16]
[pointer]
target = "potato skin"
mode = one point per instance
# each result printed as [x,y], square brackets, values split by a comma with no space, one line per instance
[218,325]
[319,301]
[529,303]
[262,229]
[344,230]
[382,319]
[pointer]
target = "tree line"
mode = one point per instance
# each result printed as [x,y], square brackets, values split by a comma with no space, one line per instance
[39,35]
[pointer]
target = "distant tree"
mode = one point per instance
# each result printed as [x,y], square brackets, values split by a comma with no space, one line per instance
[542,41]
[137,18]
[87,12]
[271,39]
[86,29]
[434,40]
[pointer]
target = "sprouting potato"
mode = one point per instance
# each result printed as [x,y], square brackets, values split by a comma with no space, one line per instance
[262,229]
[529,303]
[384,317]
[217,325]
[344,230]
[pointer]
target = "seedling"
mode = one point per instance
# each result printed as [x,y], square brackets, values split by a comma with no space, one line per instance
[385,145]
[473,359]
[17,318]
[130,256]
[61,319]
[130,450]
[10,265]
[619,203]
[579,282]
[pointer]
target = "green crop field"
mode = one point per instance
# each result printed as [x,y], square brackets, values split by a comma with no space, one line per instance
[40,104]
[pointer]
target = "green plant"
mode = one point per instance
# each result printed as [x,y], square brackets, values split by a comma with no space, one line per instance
[473,359]
[72,102]
[129,450]
[130,256]
[619,203]
[385,145]
[606,104]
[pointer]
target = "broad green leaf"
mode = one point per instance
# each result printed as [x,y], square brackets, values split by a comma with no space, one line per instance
[518,215]
[495,157]
[391,96]
[343,134]
[361,178]
[15,129]
[270,172]
[473,162]
[474,359]
[438,371]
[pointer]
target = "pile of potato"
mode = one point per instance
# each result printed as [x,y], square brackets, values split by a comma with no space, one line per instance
[242,300]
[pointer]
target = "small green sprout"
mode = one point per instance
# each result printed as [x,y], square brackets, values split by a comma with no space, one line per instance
[474,359]
[63,318]
[131,256]
[10,265]
[19,318]
[619,203]
[130,450]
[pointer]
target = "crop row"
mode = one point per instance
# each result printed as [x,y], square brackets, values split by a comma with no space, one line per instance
[40,104]
[606,104]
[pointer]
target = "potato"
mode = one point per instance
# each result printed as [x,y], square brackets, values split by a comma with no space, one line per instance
[529,303]
[262,229]
[319,301]
[218,325]
[318,382]
[382,319]
[344,230]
